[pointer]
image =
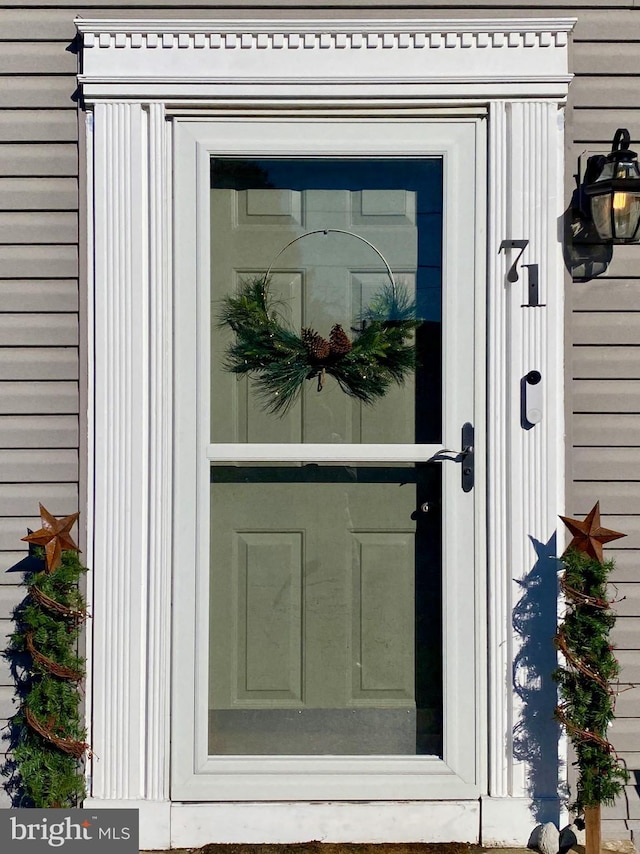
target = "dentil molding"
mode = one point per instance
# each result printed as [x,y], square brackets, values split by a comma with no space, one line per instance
[476,58]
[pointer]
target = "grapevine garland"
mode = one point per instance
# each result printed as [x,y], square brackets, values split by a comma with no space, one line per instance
[49,738]
[379,354]
[587,704]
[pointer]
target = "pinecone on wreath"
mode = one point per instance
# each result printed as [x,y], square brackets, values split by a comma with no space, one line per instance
[317,347]
[339,341]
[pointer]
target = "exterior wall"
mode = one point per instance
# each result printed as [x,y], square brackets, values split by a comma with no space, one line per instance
[39,435]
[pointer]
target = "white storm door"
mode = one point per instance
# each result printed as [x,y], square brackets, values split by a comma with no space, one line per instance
[330,628]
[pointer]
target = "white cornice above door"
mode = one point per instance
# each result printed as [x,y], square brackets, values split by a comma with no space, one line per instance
[476,59]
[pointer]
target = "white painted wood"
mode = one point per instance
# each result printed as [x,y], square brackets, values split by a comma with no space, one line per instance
[251,452]
[524,57]
[525,479]
[283,823]
[223,778]
[131,435]
[516,203]
[154,819]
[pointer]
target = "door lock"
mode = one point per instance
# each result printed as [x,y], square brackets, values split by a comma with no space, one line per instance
[468,457]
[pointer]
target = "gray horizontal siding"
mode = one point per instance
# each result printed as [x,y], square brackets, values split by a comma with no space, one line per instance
[45,330]
[19,504]
[39,92]
[38,125]
[47,194]
[39,363]
[38,295]
[32,57]
[36,398]
[38,160]
[38,466]
[39,267]
[39,431]
[38,226]
[20,262]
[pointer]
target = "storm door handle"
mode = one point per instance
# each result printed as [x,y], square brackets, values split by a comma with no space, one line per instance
[466,457]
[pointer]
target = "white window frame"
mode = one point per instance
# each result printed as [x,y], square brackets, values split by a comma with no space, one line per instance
[136,75]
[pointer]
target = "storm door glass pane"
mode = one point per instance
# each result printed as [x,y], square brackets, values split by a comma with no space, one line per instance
[325,616]
[356,228]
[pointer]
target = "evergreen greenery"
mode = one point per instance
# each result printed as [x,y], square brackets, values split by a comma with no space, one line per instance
[587,699]
[48,738]
[380,354]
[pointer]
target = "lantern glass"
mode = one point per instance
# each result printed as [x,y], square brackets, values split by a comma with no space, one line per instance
[615,210]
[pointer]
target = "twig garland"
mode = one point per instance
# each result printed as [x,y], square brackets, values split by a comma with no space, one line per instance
[50,665]
[72,746]
[50,604]
[48,734]
[589,666]
[380,353]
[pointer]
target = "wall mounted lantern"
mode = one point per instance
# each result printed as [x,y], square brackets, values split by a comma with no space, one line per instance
[611,186]
[604,209]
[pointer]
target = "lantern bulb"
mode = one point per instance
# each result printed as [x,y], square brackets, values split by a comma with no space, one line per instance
[620,201]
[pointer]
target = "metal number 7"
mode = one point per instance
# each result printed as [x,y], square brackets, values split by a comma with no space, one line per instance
[512,275]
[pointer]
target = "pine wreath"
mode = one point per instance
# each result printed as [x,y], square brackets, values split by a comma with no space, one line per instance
[381,352]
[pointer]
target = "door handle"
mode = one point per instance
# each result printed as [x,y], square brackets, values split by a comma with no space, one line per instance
[466,457]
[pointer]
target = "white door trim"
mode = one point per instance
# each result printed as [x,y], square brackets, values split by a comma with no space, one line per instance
[134,75]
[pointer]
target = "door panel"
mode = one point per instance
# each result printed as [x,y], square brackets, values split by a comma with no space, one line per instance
[314,609]
[320,280]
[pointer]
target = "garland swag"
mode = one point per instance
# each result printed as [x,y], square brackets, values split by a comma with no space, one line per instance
[281,360]
[48,735]
[587,699]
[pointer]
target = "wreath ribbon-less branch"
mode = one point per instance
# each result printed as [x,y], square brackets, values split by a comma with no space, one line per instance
[381,352]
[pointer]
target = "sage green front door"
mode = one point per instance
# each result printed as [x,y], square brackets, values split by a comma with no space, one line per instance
[325,580]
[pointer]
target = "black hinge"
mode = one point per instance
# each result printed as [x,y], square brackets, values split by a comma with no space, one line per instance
[468,463]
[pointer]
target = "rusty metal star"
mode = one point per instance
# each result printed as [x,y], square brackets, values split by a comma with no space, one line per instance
[588,535]
[54,536]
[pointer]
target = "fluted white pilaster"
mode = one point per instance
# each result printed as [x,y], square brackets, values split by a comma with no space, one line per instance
[132,473]
[526,465]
